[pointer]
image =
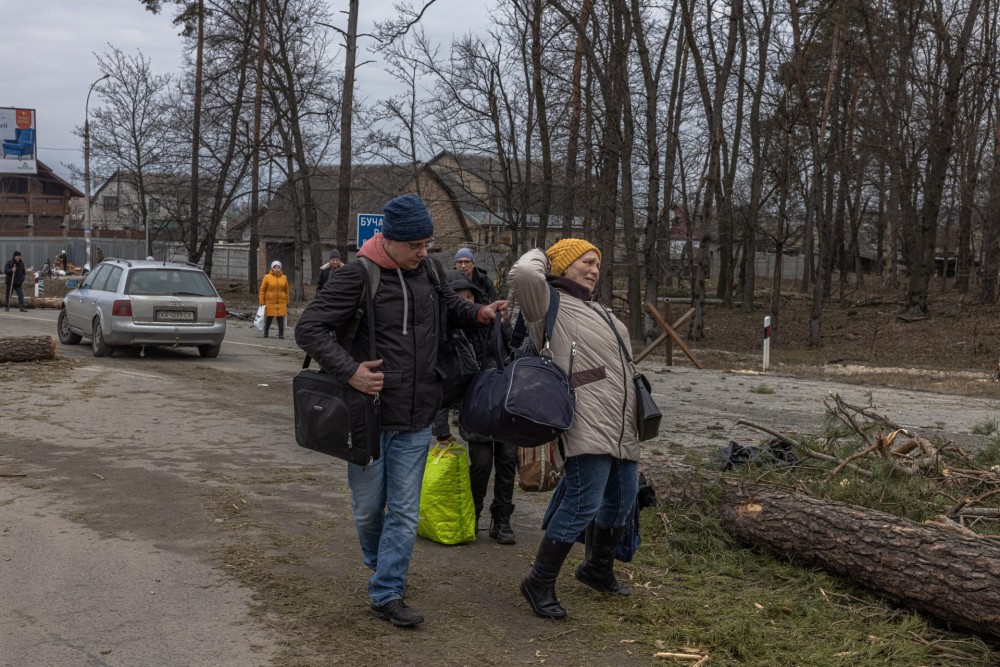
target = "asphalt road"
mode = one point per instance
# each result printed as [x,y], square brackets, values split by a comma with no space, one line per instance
[106,557]
[110,491]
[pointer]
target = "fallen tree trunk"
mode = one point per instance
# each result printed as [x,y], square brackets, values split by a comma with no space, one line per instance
[27,348]
[44,301]
[950,576]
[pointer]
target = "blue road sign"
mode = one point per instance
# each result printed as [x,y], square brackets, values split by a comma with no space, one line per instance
[369,224]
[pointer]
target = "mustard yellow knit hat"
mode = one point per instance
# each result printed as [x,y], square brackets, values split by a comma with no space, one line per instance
[565,252]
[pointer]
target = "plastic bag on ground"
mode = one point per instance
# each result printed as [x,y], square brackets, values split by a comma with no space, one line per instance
[447,513]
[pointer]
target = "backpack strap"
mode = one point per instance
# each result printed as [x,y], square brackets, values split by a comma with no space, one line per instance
[366,302]
[373,274]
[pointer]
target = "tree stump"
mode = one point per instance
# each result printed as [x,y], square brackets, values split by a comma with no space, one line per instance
[950,576]
[27,348]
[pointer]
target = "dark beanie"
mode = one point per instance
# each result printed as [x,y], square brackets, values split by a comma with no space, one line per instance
[17,253]
[407,219]
[335,254]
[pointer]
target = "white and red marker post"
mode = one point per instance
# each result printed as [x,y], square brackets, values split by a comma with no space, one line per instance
[767,342]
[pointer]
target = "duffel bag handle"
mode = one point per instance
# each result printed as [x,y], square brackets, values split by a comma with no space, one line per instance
[520,329]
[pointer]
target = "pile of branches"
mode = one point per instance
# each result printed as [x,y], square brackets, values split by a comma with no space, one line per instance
[968,486]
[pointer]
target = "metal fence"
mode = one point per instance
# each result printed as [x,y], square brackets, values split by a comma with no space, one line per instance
[229,261]
[36,250]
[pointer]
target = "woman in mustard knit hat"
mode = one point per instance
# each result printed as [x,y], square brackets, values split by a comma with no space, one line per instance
[600,451]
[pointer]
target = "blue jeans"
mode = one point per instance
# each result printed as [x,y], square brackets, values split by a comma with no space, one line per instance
[599,488]
[385,499]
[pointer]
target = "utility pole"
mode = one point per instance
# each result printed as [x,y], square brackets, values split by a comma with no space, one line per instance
[86,170]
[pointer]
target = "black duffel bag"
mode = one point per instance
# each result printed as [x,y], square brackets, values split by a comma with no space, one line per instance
[527,402]
[332,417]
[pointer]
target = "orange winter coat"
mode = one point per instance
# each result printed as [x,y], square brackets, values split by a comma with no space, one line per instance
[274,295]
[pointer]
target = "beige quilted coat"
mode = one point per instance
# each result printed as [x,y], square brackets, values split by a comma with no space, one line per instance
[605,393]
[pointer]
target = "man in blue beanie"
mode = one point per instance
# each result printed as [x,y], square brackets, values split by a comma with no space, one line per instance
[465,263]
[410,311]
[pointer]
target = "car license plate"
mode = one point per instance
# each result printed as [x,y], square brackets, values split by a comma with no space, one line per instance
[175,315]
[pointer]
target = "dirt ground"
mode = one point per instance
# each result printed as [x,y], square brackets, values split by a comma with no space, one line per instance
[155,510]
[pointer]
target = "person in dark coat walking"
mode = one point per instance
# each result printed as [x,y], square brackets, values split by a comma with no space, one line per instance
[13,272]
[385,495]
[484,455]
[327,269]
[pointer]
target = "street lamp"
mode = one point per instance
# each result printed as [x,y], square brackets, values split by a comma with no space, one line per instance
[86,168]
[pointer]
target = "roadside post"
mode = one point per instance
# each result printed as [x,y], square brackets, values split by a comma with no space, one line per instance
[767,342]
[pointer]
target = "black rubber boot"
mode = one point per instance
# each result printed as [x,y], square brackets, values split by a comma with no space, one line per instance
[500,529]
[539,587]
[598,570]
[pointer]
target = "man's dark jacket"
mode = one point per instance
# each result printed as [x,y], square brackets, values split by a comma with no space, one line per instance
[324,277]
[15,271]
[411,393]
[487,290]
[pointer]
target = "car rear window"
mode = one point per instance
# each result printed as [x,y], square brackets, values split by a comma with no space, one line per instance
[168,282]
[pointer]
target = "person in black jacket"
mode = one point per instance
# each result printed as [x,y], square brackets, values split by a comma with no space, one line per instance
[13,272]
[327,269]
[465,263]
[484,455]
[385,495]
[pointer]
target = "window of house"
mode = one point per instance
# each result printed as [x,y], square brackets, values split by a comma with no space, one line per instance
[109,202]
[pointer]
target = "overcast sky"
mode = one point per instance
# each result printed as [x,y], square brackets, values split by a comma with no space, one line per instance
[48,49]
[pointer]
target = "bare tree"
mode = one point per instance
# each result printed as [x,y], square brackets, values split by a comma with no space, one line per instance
[130,134]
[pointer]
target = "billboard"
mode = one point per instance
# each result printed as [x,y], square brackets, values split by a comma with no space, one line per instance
[20,147]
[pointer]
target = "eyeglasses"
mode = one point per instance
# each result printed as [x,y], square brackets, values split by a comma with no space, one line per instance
[463,261]
[428,244]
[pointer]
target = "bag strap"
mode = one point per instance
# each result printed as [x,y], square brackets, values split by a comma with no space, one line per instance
[367,298]
[550,325]
[621,343]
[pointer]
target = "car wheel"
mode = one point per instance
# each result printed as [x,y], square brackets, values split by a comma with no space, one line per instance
[66,335]
[210,351]
[101,349]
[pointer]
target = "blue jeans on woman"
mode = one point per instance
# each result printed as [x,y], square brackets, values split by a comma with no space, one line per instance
[385,499]
[599,488]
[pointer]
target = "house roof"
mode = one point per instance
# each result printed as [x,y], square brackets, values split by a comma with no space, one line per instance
[49,177]
[371,187]
[156,183]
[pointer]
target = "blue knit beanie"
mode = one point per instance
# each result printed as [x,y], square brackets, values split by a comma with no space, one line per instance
[464,253]
[407,219]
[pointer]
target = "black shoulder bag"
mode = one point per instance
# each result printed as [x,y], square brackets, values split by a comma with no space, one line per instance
[647,413]
[332,417]
[527,402]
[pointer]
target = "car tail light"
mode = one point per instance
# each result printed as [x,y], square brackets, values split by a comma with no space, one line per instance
[220,310]
[122,308]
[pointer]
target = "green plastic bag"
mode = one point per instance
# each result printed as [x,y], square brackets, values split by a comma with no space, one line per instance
[447,514]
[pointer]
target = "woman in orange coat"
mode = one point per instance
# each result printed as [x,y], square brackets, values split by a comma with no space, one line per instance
[274,298]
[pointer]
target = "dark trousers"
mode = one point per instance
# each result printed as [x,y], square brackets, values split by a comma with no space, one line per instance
[8,295]
[483,458]
[281,324]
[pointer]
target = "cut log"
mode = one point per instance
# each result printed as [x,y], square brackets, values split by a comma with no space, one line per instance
[947,575]
[27,348]
[44,301]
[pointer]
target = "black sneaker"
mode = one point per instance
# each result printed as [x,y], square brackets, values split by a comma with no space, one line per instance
[281,336]
[396,612]
[502,532]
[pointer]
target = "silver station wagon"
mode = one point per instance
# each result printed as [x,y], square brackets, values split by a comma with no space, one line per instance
[141,303]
